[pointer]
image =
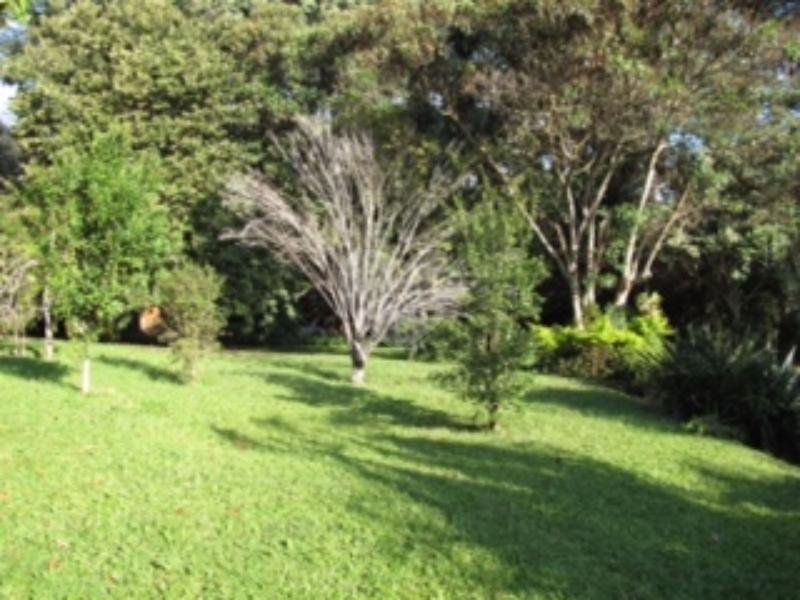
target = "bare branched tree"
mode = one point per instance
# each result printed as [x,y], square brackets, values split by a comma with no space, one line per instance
[369,239]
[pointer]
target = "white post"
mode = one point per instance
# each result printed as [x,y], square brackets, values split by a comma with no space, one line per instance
[48,325]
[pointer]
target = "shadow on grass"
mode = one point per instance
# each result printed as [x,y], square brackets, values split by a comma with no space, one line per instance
[562,525]
[153,372]
[547,523]
[361,406]
[780,496]
[602,402]
[239,440]
[33,369]
[306,368]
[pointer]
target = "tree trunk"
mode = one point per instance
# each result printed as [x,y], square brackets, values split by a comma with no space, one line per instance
[577,308]
[494,413]
[49,345]
[624,292]
[359,358]
[86,376]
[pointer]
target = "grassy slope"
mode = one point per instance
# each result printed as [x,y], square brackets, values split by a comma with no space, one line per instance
[276,479]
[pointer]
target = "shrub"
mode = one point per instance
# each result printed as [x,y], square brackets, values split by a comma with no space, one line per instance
[739,382]
[188,297]
[611,347]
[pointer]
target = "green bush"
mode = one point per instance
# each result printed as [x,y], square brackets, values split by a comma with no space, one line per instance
[738,382]
[188,296]
[610,348]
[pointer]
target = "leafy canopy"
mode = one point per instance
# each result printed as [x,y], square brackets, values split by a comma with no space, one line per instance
[111,234]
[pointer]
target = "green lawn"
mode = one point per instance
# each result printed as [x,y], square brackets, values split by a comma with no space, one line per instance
[275,479]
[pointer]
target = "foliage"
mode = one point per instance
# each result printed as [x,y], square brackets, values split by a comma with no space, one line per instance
[439,342]
[293,505]
[142,64]
[18,293]
[581,106]
[492,338]
[739,268]
[198,84]
[189,296]
[647,143]
[109,237]
[19,285]
[114,235]
[20,10]
[610,347]
[741,383]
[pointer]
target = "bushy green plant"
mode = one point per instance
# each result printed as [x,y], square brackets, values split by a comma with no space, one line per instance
[493,340]
[741,383]
[101,232]
[610,347]
[188,296]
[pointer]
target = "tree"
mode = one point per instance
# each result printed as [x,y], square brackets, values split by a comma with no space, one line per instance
[113,234]
[737,269]
[596,112]
[141,63]
[188,296]
[502,302]
[369,240]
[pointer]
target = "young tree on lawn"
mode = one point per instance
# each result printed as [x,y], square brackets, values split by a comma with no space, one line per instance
[370,240]
[112,238]
[502,301]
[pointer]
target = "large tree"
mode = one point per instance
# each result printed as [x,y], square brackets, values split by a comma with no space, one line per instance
[593,115]
[371,240]
[143,63]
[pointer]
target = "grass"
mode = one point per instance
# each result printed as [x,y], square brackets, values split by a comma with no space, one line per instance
[276,479]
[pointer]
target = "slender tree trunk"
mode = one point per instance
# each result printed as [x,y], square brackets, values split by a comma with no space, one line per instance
[494,409]
[359,358]
[577,303]
[624,292]
[49,345]
[86,376]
